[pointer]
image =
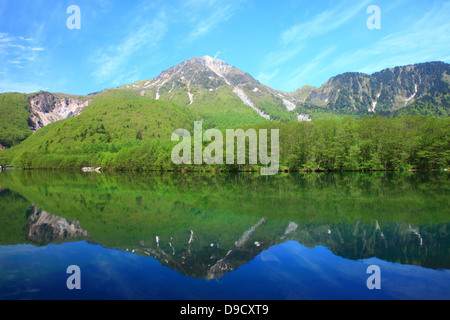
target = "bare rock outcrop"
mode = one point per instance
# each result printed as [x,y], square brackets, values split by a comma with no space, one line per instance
[47,108]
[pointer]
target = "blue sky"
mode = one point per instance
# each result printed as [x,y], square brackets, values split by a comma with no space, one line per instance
[284,44]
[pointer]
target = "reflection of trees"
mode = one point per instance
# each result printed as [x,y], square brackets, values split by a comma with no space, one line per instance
[208,225]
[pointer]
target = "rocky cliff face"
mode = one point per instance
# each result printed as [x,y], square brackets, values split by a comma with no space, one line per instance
[46,108]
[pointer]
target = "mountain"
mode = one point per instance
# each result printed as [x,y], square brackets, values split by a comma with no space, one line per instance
[224,96]
[130,127]
[23,114]
[397,91]
[213,89]
[106,126]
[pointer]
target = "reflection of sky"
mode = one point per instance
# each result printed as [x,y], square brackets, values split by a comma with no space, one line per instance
[286,271]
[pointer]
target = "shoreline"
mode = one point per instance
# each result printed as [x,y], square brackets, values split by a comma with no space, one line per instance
[285,171]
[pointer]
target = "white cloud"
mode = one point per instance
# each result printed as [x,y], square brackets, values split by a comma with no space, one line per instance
[423,40]
[311,66]
[266,77]
[295,39]
[111,62]
[216,17]
[204,16]
[146,33]
[412,39]
[17,51]
[322,23]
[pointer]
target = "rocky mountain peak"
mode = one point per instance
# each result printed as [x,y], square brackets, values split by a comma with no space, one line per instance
[206,78]
[216,65]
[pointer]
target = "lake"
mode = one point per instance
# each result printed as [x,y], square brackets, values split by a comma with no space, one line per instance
[168,236]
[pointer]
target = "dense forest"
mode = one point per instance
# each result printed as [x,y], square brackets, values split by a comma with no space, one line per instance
[342,144]
[14,119]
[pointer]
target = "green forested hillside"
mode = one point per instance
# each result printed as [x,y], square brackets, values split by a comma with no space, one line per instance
[433,106]
[135,135]
[14,119]
[125,129]
[104,128]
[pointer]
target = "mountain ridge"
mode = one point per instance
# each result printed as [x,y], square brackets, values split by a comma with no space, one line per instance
[385,91]
[224,96]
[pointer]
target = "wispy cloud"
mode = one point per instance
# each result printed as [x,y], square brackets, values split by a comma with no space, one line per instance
[17,51]
[266,77]
[314,65]
[294,40]
[111,63]
[322,23]
[210,17]
[207,15]
[146,34]
[421,40]
[418,37]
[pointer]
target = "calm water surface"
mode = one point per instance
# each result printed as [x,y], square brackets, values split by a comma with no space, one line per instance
[201,236]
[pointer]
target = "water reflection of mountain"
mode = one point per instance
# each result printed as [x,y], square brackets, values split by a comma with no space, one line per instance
[23,222]
[207,227]
[46,228]
[397,242]
[205,255]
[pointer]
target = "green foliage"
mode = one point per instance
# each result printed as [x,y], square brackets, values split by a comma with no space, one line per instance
[116,94]
[322,113]
[121,134]
[222,109]
[105,127]
[437,106]
[366,144]
[14,119]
